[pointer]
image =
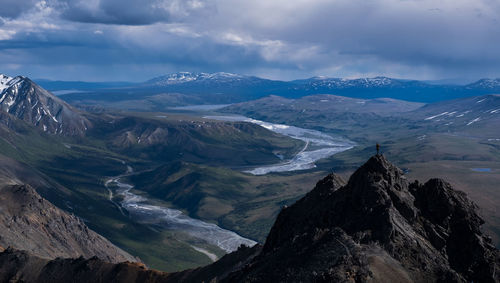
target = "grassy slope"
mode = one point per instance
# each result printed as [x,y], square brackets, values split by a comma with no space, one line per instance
[237,201]
[77,168]
[166,137]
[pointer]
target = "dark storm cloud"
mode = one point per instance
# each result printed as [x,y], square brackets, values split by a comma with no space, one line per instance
[453,33]
[132,12]
[14,8]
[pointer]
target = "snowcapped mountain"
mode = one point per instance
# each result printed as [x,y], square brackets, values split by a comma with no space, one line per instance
[324,83]
[487,84]
[184,77]
[346,83]
[369,88]
[210,88]
[25,100]
[187,88]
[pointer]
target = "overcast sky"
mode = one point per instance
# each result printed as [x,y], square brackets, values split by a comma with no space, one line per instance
[134,40]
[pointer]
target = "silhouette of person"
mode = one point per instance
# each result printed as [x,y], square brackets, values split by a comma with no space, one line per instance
[378,149]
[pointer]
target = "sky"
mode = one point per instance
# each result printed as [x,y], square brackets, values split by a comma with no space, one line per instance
[135,40]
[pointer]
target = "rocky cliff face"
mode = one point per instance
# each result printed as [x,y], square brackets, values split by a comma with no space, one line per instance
[27,101]
[29,222]
[376,227]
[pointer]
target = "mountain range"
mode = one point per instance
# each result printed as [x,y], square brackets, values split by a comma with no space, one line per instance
[187,88]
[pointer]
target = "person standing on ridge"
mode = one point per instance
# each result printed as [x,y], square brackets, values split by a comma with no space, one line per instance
[378,149]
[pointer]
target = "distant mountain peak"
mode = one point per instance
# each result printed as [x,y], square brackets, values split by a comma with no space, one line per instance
[486,84]
[318,78]
[184,77]
[322,82]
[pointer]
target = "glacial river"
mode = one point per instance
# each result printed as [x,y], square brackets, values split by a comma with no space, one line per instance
[318,145]
[143,211]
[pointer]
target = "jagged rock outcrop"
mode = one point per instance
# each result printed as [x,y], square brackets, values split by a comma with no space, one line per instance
[376,227]
[29,222]
[25,100]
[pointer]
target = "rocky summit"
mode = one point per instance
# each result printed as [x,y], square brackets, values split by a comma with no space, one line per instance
[376,227]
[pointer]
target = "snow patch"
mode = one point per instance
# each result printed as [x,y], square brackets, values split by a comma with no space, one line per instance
[435,116]
[474,121]
[4,82]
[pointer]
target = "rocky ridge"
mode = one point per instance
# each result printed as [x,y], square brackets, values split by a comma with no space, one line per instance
[29,222]
[376,227]
[21,266]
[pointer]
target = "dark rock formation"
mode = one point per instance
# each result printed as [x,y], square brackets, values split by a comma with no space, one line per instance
[377,227]
[29,222]
[219,269]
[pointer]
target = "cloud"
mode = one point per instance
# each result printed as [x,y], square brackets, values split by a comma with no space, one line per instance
[422,39]
[132,12]
[388,32]
[13,8]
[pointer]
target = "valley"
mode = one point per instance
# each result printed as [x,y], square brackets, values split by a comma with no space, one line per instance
[317,145]
[160,217]
[209,177]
